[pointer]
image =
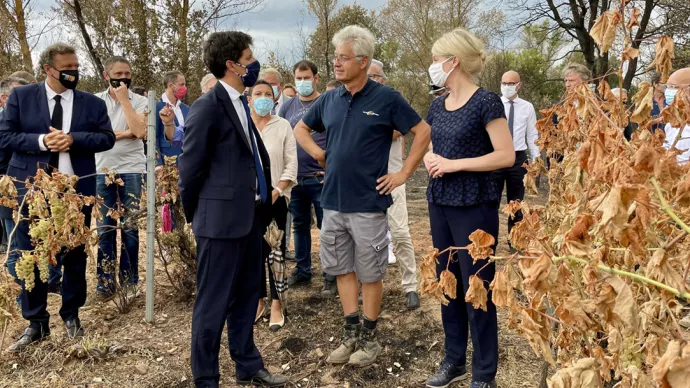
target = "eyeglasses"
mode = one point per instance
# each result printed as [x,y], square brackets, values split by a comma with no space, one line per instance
[375,76]
[509,83]
[342,59]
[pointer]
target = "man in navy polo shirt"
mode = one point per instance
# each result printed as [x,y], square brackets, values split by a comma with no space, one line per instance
[359,119]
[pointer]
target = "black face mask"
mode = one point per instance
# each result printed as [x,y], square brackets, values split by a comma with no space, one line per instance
[115,82]
[68,78]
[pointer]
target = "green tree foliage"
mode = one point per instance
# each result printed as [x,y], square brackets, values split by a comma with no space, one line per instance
[321,49]
[155,36]
[535,57]
[410,28]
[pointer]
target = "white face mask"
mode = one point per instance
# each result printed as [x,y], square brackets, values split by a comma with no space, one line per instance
[508,91]
[437,75]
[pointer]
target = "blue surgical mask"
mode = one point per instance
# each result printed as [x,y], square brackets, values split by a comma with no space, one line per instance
[305,88]
[276,92]
[253,70]
[670,95]
[263,106]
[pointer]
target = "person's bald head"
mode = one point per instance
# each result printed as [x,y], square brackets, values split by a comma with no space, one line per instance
[510,84]
[510,76]
[679,78]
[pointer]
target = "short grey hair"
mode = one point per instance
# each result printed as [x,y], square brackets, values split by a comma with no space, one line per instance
[6,85]
[205,80]
[618,92]
[362,40]
[379,64]
[271,70]
[580,69]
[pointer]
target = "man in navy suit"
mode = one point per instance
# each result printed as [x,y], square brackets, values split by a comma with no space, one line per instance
[50,125]
[224,186]
[169,136]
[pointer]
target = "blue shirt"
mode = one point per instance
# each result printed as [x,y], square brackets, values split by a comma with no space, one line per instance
[462,134]
[293,111]
[360,132]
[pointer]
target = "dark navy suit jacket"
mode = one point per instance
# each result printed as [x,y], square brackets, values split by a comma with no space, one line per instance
[163,146]
[217,172]
[26,117]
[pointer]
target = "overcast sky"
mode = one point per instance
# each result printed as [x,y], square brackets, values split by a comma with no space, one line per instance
[274,27]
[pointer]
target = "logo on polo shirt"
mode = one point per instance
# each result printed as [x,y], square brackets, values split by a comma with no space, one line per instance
[371,113]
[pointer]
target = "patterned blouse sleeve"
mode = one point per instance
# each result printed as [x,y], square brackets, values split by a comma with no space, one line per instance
[492,108]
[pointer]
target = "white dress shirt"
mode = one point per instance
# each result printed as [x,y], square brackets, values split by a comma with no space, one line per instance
[524,126]
[682,145]
[239,109]
[279,104]
[67,102]
[176,108]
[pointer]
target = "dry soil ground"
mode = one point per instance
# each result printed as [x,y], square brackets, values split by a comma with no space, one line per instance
[122,350]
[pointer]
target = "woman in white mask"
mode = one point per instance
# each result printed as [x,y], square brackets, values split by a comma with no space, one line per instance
[276,134]
[470,138]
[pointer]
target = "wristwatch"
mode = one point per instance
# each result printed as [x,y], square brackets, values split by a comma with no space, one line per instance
[280,191]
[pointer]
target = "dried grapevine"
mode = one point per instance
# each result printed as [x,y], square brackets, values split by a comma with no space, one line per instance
[601,267]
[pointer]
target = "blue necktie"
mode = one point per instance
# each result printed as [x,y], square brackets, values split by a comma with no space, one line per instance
[263,189]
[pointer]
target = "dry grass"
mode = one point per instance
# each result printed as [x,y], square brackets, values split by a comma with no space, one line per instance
[121,350]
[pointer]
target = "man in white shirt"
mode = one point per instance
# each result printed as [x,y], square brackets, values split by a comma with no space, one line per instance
[522,122]
[273,77]
[52,124]
[127,112]
[679,80]
[169,136]
[397,213]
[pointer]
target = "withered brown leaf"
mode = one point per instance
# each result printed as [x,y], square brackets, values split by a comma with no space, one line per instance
[537,276]
[501,290]
[481,245]
[572,312]
[660,269]
[604,30]
[625,307]
[615,206]
[643,101]
[634,19]
[512,208]
[449,284]
[580,231]
[630,53]
[584,374]
[665,53]
[7,187]
[673,369]
[477,294]
[534,332]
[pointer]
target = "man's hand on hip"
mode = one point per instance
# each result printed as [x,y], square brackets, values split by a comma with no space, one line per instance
[389,182]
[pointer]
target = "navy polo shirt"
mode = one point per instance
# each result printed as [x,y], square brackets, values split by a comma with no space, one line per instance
[359,131]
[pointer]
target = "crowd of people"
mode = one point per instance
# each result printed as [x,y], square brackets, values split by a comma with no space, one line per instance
[253,150]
